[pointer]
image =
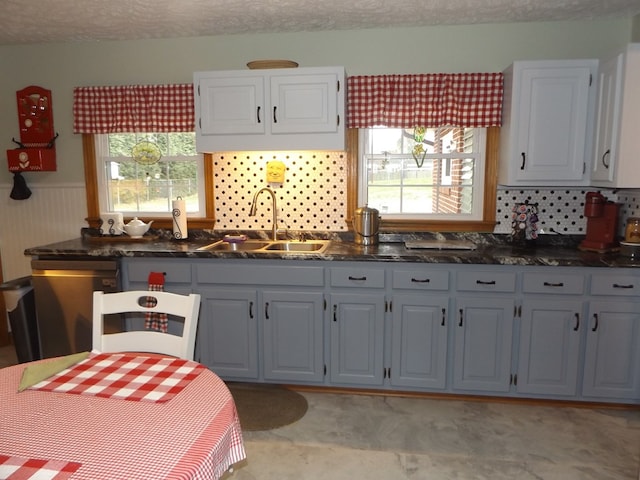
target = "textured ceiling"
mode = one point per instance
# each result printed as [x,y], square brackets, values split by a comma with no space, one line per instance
[44,21]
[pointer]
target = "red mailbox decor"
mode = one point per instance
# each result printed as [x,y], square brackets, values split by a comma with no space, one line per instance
[36,148]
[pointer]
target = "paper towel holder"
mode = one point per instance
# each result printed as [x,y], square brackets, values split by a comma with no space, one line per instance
[179,219]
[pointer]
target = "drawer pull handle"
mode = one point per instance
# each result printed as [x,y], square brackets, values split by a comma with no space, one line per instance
[549,284]
[335,313]
[483,282]
[595,325]
[444,316]
[461,315]
[258,115]
[266,310]
[359,279]
[250,309]
[617,285]
[524,160]
[417,280]
[575,329]
[275,118]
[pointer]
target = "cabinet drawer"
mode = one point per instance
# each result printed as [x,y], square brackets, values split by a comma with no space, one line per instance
[357,277]
[260,275]
[421,279]
[486,281]
[174,272]
[621,285]
[551,282]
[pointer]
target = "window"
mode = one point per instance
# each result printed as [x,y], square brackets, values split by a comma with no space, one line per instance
[133,180]
[422,174]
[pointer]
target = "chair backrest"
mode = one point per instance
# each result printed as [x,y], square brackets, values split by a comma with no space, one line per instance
[185,306]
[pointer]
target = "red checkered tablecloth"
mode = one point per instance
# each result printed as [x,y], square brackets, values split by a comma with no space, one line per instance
[125,376]
[17,468]
[196,435]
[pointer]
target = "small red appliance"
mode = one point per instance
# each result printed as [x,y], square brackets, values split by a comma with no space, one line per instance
[602,223]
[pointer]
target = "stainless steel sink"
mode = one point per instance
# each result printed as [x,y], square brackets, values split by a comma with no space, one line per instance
[246,246]
[266,246]
[311,246]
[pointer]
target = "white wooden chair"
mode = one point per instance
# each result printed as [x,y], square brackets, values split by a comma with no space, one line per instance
[184,306]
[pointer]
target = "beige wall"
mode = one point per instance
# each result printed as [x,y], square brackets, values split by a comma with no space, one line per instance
[60,67]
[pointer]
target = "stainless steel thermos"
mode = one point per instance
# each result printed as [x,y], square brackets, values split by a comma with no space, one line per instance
[366,223]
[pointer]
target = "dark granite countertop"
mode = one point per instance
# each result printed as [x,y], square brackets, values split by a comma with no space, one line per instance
[491,249]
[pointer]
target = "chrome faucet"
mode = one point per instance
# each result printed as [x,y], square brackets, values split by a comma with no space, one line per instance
[274,209]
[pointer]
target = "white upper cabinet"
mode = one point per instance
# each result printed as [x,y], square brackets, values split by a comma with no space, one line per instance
[279,109]
[548,117]
[617,141]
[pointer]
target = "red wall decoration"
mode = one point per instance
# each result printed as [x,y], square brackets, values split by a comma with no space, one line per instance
[36,149]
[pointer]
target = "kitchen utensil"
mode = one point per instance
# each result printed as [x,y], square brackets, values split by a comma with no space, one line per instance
[366,224]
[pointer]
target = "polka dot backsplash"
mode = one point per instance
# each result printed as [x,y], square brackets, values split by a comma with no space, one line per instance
[312,197]
[561,210]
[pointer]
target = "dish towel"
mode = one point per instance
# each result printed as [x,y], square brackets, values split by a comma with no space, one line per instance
[154,320]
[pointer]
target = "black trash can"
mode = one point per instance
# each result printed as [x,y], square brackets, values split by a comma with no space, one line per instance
[19,299]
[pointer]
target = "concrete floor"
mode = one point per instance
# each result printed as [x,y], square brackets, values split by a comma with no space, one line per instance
[393,438]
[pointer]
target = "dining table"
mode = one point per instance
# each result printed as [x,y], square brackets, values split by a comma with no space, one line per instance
[112,416]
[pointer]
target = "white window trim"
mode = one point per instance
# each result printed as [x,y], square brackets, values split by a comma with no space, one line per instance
[480,140]
[101,146]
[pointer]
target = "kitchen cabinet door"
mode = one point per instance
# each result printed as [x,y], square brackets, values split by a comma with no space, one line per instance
[612,356]
[230,105]
[304,103]
[548,115]
[549,346]
[280,109]
[357,343]
[228,331]
[482,344]
[293,336]
[419,341]
[618,115]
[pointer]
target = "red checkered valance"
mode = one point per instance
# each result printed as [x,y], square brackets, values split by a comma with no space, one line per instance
[134,108]
[426,100]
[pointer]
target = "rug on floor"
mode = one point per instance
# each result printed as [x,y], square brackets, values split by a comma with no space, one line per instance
[265,407]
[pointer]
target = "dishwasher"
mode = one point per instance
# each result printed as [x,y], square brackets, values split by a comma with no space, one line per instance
[63,291]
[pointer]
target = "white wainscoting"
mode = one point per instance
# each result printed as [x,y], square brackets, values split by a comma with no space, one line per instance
[53,213]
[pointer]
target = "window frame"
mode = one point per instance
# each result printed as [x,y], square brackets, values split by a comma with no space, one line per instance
[479,171]
[93,193]
[486,224]
[102,146]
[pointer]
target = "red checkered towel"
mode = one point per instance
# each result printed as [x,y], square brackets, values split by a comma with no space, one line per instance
[154,320]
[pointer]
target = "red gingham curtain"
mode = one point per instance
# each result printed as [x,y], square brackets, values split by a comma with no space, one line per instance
[426,100]
[134,108]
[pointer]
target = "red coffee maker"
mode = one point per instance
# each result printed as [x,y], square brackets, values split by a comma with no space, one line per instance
[602,223]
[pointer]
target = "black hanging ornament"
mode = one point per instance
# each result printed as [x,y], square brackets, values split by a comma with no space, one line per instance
[20,190]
